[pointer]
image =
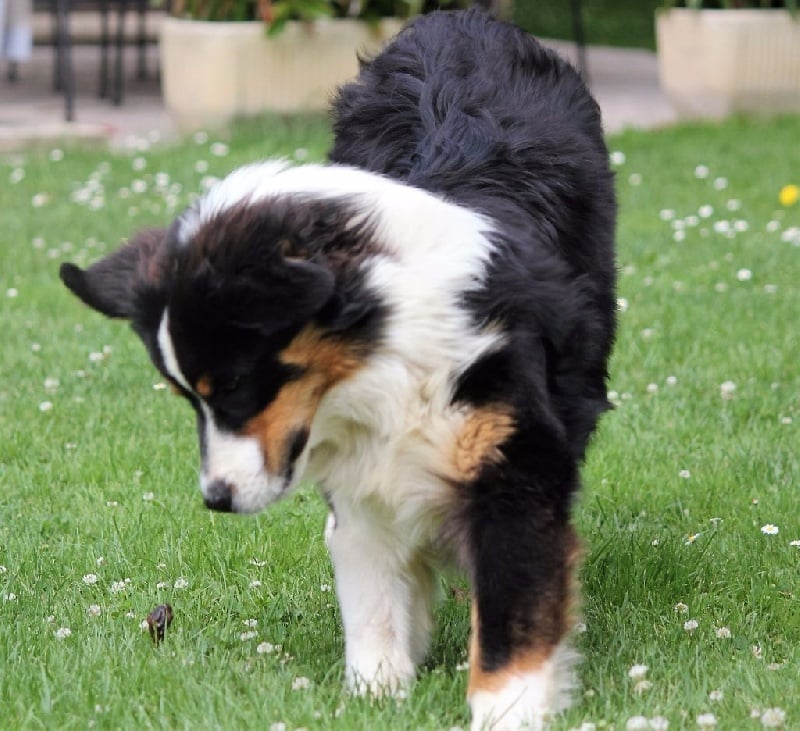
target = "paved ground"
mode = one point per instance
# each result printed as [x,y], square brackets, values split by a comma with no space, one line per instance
[624,81]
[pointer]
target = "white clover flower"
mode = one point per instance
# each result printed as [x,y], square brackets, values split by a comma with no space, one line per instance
[726,389]
[637,672]
[723,633]
[255,584]
[691,625]
[250,623]
[90,579]
[715,695]
[219,149]
[622,304]
[278,726]
[148,497]
[720,183]
[637,723]
[265,648]
[249,635]
[12,292]
[684,474]
[791,543]
[773,717]
[666,214]
[635,179]
[671,380]
[62,633]
[94,610]
[769,529]
[659,723]
[181,583]
[744,275]
[652,388]
[9,597]
[46,406]
[681,608]
[301,683]
[119,586]
[706,720]
[705,211]
[642,686]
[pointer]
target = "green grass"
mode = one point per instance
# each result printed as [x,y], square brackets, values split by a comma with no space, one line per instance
[627,23]
[73,479]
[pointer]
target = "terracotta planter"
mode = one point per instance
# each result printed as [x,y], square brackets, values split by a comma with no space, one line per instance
[213,73]
[714,63]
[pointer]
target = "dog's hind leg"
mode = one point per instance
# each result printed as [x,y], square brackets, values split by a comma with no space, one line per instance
[520,661]
[386,595]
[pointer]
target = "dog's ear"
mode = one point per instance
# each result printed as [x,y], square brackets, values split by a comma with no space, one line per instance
[110,285]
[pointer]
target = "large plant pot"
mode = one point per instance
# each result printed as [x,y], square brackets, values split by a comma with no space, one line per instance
[714,63]
[214,72]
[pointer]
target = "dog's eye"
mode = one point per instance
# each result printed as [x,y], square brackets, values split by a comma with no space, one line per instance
[229,385]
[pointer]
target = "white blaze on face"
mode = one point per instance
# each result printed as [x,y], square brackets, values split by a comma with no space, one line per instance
[228,458]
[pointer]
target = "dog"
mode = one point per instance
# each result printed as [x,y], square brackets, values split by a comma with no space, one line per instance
[421,327]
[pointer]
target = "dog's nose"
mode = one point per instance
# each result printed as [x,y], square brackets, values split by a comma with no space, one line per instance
[219,496]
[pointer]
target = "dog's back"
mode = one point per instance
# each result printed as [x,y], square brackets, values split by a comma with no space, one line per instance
[478,111]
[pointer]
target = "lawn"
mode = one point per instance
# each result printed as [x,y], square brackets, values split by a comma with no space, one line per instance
[689,513]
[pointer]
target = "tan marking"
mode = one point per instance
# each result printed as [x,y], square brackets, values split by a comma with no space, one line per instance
[204,387]
[479,439]
[326,362]
[553,618]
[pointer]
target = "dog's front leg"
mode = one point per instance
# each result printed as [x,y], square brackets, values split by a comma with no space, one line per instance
[520,662]
[386,601]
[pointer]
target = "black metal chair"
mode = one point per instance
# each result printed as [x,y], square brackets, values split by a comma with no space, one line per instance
[111,84]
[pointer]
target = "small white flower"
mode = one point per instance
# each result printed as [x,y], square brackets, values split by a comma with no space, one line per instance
[637,723]
[219,149]
[744,275]
[659,723]
[162,585]
[726,389]
[256,562]
[652,388]
[201,166]
[46,406]
[9,597]
[118,586]
[637,672]
[701,172]
[12,292]
[277,726]
[723,633]
[769,529]
[642,686]
[617,157]
[691,625]
[734,204]
[255,584]
[773,717]
[249,635]
[181,583]
[681,608]
[100,560]
[622,304]
[635,179]
[62,633]
[705,211]
[756,650]
[720,183]
[671,380]
[666,214]
[250,623]
[715,695]
[94,610]
[324,588]
[90,579]
[791,543]
[301,683]
[706,720]
[148,497]
[301,154]
[265,648]
[684,474]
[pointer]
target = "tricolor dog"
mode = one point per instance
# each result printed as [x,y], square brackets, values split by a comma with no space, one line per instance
[422,328]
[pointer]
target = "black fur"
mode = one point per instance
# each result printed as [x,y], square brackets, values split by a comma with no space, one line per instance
[479,112]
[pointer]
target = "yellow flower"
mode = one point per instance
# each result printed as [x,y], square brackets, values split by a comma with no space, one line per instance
[789,195]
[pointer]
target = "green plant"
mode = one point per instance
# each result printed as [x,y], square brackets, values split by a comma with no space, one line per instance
[275,13]
[734,4]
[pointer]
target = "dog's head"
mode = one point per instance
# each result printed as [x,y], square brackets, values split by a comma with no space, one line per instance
[245,311]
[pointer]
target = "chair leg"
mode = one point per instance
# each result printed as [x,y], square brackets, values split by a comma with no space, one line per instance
[116,96]
[104,48]
[64,59]
[141,41]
